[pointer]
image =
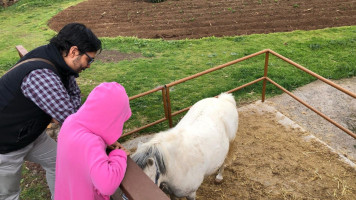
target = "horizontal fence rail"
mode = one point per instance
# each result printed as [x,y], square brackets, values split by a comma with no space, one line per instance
[265,79]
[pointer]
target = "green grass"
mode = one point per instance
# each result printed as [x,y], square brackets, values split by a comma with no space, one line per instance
[33,186]
[26,23]
[329,52]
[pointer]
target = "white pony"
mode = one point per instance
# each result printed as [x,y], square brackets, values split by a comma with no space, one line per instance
[178,159]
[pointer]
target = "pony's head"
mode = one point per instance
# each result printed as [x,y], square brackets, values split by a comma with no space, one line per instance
[151,161]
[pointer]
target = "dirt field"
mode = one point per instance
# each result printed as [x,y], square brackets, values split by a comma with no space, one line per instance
[180,19]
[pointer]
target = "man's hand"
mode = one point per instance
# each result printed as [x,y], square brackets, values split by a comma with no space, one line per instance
[54,121]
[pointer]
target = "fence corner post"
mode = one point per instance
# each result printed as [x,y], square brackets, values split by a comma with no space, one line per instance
[167,105]
[265,76]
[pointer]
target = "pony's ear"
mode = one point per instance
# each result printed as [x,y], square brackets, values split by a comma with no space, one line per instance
[150,161]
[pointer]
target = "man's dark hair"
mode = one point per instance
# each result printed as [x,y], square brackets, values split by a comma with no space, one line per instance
[76,34]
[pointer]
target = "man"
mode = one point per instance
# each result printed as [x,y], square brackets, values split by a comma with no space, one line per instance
[40,88]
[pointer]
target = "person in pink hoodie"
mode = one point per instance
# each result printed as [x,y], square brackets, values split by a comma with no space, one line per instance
[84,170]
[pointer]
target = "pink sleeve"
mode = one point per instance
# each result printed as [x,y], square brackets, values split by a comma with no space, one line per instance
[107,171]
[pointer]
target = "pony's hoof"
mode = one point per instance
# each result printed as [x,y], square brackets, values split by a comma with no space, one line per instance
[218,180]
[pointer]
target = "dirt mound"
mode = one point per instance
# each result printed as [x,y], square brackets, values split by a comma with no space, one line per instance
[180,19]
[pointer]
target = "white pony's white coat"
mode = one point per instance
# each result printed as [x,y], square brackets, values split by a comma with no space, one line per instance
[196,147]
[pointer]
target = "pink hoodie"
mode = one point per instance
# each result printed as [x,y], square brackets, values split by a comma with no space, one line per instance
[83,170]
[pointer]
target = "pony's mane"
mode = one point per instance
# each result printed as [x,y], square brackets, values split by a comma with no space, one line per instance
[146,151]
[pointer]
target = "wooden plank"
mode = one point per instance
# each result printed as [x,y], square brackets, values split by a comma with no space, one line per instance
[21,50]
[138,186]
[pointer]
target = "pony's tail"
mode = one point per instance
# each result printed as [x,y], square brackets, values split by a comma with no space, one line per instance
[227,97]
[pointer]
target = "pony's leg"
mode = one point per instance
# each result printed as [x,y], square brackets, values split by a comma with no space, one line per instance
[220,177]
[173,197]
[191,196]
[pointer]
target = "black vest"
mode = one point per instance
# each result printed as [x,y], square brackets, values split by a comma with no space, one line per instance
[21,120]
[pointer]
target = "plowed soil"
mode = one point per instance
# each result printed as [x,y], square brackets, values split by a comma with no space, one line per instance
[180,19]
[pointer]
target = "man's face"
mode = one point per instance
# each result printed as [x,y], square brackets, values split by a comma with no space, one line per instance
[79,61]
[82,62]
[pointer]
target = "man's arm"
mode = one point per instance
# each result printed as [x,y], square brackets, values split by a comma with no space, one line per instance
[46,90]
[74,92]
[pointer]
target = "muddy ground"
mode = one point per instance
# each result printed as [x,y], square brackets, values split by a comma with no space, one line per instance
[180,19]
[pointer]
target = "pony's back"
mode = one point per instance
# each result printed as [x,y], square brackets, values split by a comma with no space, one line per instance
[221,110]
[230,116]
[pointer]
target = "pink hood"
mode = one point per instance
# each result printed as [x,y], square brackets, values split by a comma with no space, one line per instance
[83,168]
[105,116]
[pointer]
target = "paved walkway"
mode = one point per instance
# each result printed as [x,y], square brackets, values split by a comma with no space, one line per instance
[330,101]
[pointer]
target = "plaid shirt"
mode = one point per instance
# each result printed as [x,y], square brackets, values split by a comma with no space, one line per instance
[45,89]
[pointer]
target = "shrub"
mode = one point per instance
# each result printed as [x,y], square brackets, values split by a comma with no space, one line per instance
[156,1]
